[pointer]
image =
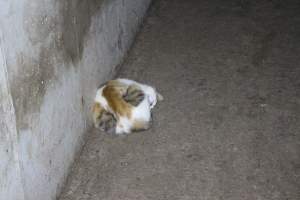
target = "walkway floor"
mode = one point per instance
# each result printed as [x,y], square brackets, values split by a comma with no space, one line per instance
[229,128]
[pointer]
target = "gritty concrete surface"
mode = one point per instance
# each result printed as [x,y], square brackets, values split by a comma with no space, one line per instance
[10,179]
[229,126]
[52,56]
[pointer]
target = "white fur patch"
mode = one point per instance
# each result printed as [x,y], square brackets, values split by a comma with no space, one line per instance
[123,126]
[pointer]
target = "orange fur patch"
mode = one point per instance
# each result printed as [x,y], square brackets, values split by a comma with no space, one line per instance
[96,107]
[97,112]
[113,92]
[118,86]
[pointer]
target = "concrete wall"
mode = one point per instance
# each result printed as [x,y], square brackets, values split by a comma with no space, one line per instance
[10,177]
[53,56]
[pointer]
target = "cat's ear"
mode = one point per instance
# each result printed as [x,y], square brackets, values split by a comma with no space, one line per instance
[159,96]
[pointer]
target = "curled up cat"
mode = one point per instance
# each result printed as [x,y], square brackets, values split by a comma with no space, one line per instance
[124,105]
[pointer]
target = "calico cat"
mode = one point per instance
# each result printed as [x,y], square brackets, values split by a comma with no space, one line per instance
[125,105]
[105,121]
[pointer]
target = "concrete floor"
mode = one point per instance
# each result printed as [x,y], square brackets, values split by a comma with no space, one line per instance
[229,127]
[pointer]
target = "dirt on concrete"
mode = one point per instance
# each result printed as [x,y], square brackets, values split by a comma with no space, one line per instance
[229,126]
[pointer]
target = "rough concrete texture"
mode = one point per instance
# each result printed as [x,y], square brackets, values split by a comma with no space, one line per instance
[55,53]
[10,181]
[229,126]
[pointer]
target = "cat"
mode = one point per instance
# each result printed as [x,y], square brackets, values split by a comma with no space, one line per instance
[126,101]
[105,121]
[111,103]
